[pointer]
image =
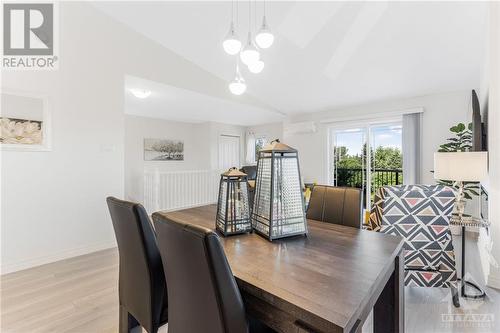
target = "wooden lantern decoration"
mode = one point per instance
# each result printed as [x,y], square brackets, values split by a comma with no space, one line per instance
[278,209]
[233,211]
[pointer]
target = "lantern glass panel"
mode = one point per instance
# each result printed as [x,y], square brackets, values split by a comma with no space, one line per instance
[233,211]
[278,209]
[221,206]
[288,207]
[264,180]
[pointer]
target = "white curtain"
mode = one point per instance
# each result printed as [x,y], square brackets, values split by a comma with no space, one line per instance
[412,124]
[250,156]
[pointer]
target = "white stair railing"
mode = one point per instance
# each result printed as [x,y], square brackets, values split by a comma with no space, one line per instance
[174,190]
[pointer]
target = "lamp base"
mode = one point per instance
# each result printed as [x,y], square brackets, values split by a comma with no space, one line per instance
[480,292]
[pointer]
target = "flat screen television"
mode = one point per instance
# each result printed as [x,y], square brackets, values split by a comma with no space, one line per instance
[484,204]
[479,124]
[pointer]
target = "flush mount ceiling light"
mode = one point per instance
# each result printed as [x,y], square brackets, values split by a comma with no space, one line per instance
[141,93]
[238,85]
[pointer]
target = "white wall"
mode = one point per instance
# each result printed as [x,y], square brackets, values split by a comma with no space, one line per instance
[491,77]
[53,203]
[269,131]
[196,150]
[200,148]
[441,111]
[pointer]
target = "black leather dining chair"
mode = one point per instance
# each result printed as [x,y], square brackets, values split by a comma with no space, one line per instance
[202,291]
[338,205]
[142,288]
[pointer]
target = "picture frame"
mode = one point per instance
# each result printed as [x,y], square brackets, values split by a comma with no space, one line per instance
[163,149]
[25,122]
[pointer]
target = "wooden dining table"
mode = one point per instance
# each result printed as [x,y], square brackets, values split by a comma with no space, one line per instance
[327,281]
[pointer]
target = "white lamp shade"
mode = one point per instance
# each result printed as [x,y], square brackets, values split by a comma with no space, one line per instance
[264,39]
[231,45]
[256,67]
[237,87]
[461,166]
[249,55]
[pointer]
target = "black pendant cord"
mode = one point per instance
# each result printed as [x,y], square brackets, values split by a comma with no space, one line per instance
[464,283]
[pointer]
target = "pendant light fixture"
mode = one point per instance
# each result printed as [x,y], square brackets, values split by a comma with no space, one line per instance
[256,67]
[238,85]
[232,44]
[264,37]
[249,54]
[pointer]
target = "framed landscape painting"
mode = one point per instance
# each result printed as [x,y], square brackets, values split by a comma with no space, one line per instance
[163,150]
[24,122]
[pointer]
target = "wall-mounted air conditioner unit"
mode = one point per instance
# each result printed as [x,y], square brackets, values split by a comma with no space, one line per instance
[299,128]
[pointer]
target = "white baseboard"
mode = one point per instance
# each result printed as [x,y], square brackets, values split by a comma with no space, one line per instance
[46,259]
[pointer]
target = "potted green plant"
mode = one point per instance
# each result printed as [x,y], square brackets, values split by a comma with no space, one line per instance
[461,141]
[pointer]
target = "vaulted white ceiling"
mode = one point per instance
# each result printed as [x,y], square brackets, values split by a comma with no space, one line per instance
[327,54]
[173,103]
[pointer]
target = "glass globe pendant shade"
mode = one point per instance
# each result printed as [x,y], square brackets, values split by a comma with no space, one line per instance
[264,38]
[256,67]
[231,44]
[238,85]
[249,54]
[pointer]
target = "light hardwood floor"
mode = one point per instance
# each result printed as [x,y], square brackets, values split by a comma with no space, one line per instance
[80,295]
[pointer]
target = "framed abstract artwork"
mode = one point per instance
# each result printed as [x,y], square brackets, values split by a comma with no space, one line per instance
[24,122]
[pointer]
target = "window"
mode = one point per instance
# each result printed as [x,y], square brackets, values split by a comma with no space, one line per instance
[259,144]
[366,157]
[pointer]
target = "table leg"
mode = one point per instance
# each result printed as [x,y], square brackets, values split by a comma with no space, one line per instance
[388,312]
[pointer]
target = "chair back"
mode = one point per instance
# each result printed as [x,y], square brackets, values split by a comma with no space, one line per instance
[420,214]
[142,287]
[203,294]
[429,206]
[338,205]
[250,170]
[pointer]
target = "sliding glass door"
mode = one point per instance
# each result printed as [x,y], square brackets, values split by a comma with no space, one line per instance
[366,157]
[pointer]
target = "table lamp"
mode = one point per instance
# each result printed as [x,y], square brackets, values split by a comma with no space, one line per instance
[461,167]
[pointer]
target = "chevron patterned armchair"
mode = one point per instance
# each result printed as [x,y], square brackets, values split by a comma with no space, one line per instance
[420,214]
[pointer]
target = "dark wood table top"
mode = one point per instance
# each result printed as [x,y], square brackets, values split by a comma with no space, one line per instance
[332,275]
